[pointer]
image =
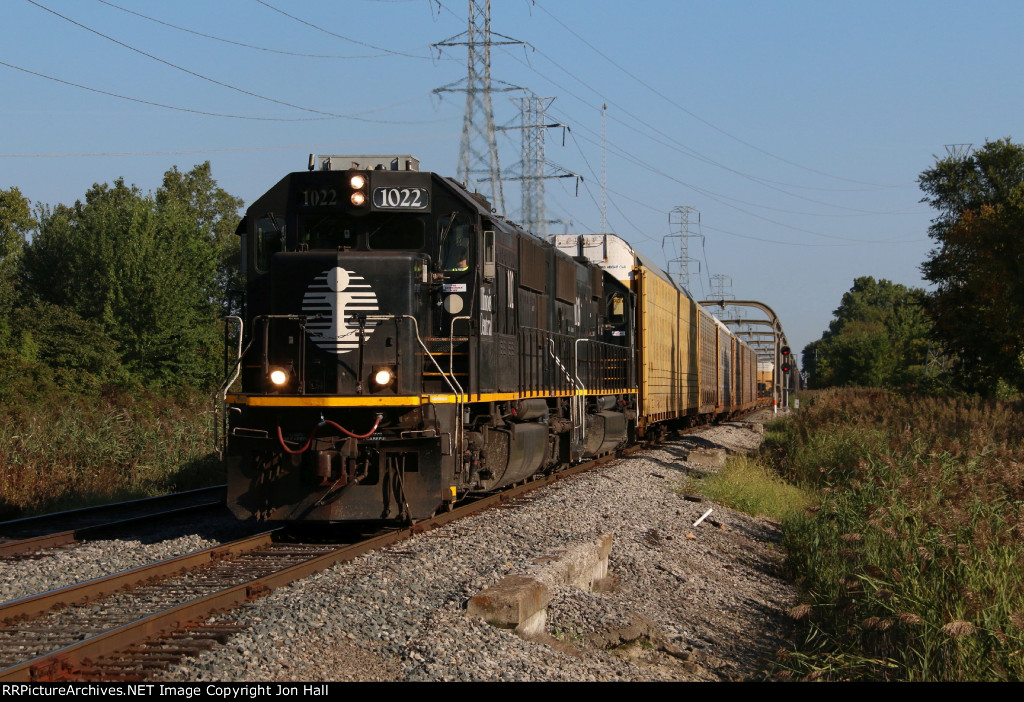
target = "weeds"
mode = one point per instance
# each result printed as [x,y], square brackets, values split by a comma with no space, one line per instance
[751,486]
[911,563]
[60,450]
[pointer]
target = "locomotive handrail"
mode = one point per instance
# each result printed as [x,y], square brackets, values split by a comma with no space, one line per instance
[426,351]
[459,428]
[222,391]
[220,397]
[576,402]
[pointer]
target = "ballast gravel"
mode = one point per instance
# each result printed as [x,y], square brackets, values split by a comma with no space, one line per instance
[681,603]
[55,568]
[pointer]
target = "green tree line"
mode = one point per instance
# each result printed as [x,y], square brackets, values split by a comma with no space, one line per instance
[967,333]
[122,287]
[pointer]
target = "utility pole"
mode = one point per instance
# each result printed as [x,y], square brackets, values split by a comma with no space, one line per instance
[478,149]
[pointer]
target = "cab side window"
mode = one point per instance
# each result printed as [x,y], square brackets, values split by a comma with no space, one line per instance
[456,249]
[270,239]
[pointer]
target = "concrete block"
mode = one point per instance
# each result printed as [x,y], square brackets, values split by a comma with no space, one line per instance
[511,601]
[711,458]
[518,601]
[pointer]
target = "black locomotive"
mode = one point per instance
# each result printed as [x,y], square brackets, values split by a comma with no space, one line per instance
[405,346]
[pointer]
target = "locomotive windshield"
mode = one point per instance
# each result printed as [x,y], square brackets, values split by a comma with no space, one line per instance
[376,231]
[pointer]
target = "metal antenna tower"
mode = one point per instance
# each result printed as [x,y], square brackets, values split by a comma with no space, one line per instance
[604,168]
[534,166]
[478,149]
[679,219]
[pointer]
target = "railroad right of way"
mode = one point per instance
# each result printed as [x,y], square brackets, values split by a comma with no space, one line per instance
[681,603]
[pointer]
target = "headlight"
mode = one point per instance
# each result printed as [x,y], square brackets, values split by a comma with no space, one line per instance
[358,198]
[357,182]
[278,377]
[383,376]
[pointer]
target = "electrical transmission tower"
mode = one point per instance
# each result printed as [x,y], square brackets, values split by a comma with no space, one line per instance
[680,219]
[478,150]
[721,287]
[959,151]
[533,165]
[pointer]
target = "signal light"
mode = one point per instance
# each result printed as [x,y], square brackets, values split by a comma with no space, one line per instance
[785,352]
[785,367]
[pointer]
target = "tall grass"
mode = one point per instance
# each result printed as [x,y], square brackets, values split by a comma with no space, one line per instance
[912,561]
[61,448]
[748,484]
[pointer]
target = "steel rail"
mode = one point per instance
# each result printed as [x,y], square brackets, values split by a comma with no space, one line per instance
[62,663]
[80,593]
[62,538]
[95,509]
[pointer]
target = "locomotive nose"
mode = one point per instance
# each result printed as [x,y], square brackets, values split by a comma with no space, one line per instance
[343,320]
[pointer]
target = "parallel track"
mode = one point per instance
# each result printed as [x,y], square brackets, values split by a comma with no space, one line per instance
[61,528]
[74,632]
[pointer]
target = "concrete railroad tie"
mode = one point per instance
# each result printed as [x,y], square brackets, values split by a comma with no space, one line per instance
[519,601]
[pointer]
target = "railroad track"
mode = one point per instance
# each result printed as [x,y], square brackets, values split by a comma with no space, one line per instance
[127,625]
[31,534]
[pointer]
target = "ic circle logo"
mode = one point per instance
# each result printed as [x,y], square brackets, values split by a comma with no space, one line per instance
[332,303]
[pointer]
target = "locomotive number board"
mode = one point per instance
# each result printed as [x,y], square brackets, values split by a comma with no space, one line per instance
[395,198]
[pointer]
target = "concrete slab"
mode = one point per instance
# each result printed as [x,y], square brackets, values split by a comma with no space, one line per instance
[711,458]
[519,600]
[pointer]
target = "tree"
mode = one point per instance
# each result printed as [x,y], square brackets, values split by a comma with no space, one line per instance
[213,214]
[143,268]
[878,337]
[978,264]
[16,222]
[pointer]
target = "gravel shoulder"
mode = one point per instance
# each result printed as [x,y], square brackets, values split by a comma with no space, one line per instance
[682,603]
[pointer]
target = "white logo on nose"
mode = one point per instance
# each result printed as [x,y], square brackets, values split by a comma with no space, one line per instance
[332,303]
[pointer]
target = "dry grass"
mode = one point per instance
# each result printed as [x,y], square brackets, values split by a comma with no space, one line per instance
[912,563]
[60,449]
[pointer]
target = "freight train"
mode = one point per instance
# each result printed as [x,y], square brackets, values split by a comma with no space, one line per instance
[402,346]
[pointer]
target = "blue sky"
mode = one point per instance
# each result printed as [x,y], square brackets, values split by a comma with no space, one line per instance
[797,129]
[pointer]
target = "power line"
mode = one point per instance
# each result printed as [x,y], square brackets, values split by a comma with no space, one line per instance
[340,36]
[326,114]
[856,212]
[207,113]
[163,105]
[180,68]
[243,44]
[632,159]
[179,152]
[672,143]
[697,117]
